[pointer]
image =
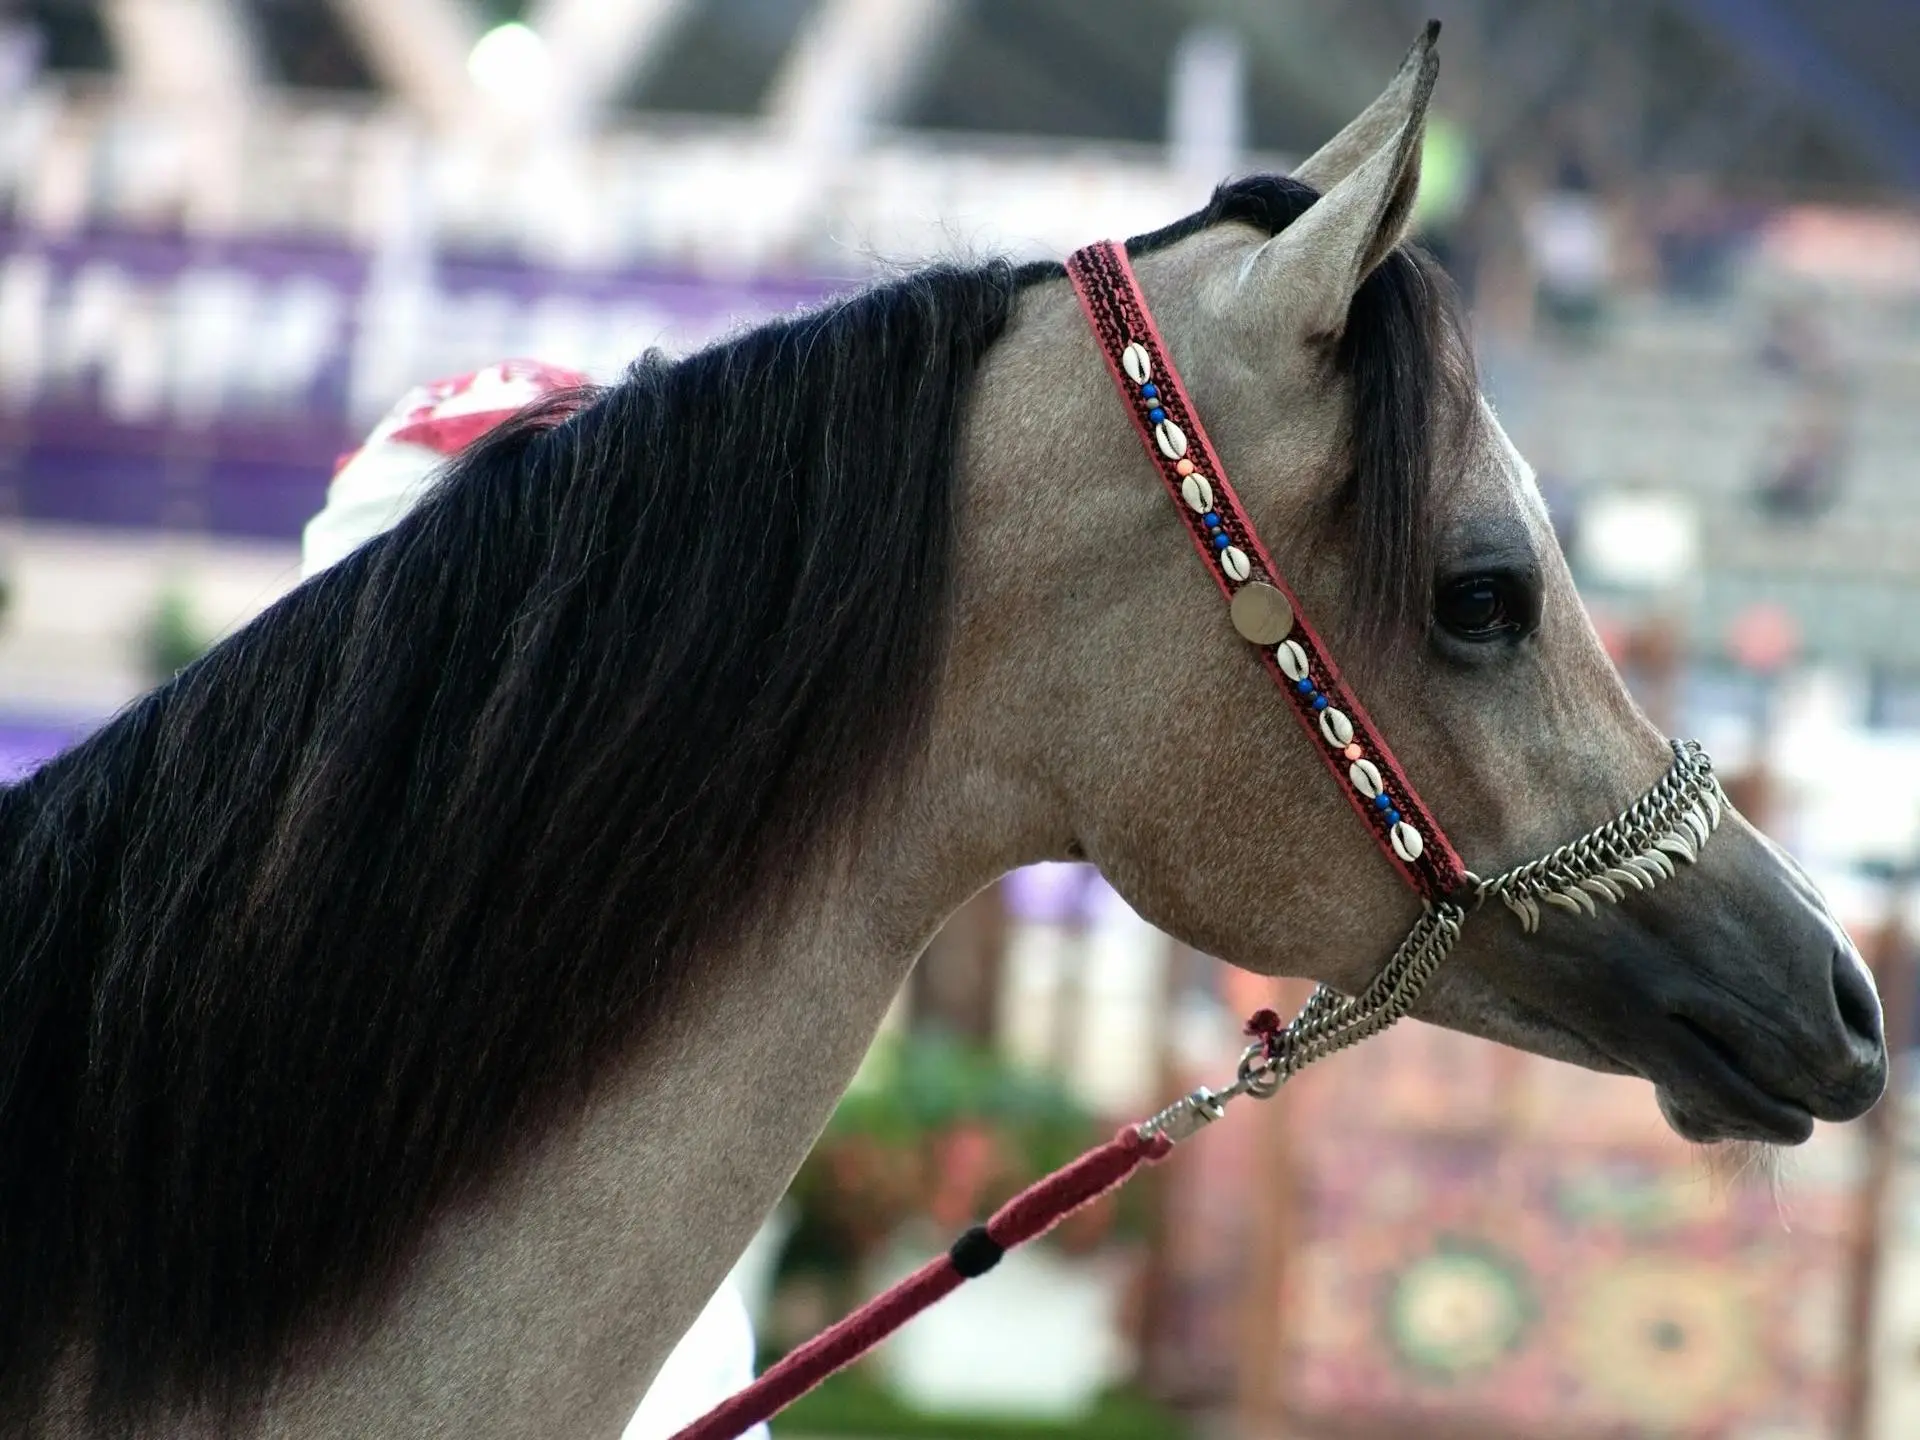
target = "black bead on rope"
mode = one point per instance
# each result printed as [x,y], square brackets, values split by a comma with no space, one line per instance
[975,1253]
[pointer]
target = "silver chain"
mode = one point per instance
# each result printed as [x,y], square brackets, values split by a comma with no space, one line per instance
[1634,851]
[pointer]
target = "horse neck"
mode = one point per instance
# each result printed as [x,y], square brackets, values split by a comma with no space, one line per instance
[550,1301]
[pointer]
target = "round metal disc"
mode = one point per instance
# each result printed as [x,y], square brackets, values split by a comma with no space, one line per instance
[1261,614]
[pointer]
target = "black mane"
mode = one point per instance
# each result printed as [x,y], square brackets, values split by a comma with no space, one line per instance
[290,946]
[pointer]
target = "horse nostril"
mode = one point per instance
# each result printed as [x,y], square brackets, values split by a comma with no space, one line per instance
[1854,995]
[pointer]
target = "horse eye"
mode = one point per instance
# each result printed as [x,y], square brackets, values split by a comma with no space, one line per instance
[1485,607]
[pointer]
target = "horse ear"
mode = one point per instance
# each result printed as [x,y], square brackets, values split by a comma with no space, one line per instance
[1308,273]
[1375,125]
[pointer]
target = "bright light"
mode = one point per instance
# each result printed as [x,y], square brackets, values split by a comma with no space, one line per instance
[1640,540]
[510,61]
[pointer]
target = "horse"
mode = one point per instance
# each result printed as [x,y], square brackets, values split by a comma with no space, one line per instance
[409,1011]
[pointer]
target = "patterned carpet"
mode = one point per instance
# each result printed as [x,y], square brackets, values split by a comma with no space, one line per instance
[1483,1238]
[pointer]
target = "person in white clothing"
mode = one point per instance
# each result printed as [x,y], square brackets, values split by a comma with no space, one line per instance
[371,489]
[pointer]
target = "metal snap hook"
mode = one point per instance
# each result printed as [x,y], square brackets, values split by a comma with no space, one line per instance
[1258,1075]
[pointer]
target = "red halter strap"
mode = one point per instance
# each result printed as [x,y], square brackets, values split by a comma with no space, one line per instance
[1337,724]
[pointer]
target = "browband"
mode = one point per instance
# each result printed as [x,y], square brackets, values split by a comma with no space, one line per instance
[1262,605]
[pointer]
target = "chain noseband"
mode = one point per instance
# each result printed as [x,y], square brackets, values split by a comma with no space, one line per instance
[1632,852]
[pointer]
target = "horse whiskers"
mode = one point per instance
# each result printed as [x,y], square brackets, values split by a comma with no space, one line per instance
[1731,1165]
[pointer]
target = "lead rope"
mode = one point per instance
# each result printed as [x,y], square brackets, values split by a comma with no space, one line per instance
[1031,1213]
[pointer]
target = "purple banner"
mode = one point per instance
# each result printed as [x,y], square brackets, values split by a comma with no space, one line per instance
[154,381]
[25,747]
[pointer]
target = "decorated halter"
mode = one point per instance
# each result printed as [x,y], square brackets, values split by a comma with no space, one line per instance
[1635,851]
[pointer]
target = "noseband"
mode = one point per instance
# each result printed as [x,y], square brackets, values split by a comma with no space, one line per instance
[1632,852]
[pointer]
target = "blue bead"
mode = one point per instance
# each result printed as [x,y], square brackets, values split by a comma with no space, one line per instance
[1393,817]
[1156,414]
[1212,518]
[1150,392]
[1305,687]
[1382,801]
[1319,702]
[1220,540]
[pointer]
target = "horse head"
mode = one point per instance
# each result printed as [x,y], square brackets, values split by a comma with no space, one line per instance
[1338,386]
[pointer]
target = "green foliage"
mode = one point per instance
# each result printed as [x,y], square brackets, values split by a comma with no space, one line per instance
[173,638]
[500,12]
[940,1133]
[923,1084]
[849,1404]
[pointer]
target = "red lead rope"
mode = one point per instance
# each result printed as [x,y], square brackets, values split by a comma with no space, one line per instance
[1029,1214]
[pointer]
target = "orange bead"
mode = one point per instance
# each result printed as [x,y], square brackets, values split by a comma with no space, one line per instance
[1352,752]
[1185,467]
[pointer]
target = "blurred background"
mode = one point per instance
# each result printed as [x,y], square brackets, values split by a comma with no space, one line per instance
[233,232]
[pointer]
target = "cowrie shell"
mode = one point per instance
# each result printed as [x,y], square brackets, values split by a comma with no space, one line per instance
[1407,843]
[1336,729]
[1171,439]
[1292,659]
[1198,491]
[1234,561]
[1365,776]
[1137,363]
